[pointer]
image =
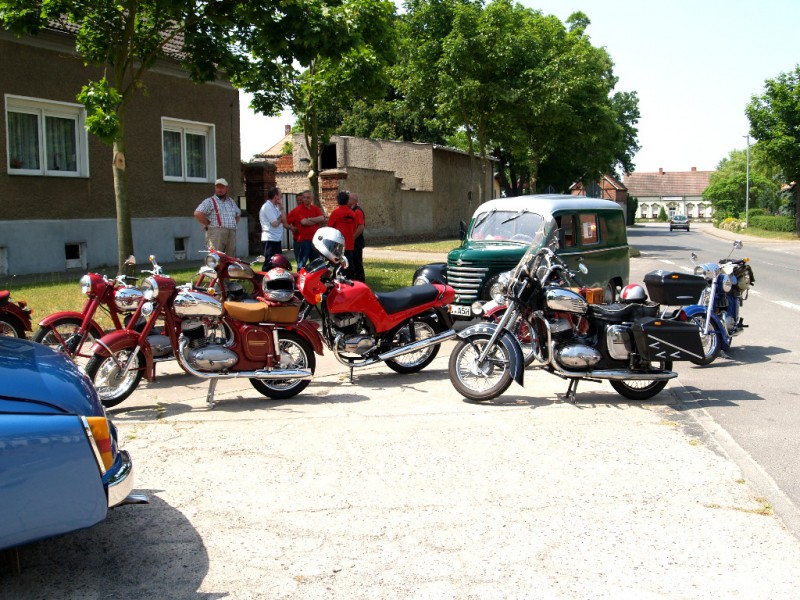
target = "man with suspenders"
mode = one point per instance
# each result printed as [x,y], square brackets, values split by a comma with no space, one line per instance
[219,215]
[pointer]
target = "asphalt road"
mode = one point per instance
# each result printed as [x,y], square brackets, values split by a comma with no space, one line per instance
[752,392]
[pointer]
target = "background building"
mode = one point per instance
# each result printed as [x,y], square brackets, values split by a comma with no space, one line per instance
[679,193]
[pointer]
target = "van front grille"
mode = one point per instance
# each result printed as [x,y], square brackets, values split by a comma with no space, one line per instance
[466,281]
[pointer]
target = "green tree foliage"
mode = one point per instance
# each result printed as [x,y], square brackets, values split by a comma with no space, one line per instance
[727,189]
[775,122]
[124,38]
[341,50]
[662,215]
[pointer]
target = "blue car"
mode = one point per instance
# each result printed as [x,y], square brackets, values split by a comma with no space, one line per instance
[61,468]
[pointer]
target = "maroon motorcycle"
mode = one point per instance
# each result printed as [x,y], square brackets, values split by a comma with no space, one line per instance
[15,317]
[74,333]
[260,339]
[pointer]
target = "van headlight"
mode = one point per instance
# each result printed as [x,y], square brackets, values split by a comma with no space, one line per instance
[499,288]
[149,288]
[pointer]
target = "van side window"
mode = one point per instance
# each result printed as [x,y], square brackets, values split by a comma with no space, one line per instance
[568,228]
[589,230]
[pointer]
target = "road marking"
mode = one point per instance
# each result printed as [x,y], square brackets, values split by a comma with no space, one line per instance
[786,304]
[669,262]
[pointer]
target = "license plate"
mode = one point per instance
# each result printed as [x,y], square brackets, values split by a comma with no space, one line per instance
[460,310]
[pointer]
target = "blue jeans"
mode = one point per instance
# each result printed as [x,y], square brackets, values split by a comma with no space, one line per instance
[304,252]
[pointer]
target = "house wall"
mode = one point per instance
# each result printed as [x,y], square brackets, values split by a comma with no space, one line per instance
[692,206]
[55,211]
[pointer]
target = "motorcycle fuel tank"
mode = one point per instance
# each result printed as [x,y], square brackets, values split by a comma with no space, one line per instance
[194,304]
[562,300]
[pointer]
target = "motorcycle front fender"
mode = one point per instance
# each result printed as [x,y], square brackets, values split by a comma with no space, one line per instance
[699,309]
[506,339]
[125,339]
[94,327]
[22,316]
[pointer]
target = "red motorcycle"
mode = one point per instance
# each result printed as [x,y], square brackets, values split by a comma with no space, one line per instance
[260,339]
[403,328]
[71,332]
[15,317]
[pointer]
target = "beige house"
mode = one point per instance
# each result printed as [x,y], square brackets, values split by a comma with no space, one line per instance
[57,206]
[679,193]
[407,189]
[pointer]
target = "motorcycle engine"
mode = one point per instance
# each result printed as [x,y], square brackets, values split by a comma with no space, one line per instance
[352,336]
[204,352]
[570,351]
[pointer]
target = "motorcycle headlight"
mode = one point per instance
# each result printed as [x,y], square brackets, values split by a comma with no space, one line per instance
[726,283]
[149,288]
[499,288]
[212,260]
[700,270]
[86,284]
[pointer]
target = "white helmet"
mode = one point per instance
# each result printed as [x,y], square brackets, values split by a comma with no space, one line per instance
[278,285]
[632,293]
[329,242]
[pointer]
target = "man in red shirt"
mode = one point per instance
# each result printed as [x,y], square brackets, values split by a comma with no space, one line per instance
[304,220]
[344,219]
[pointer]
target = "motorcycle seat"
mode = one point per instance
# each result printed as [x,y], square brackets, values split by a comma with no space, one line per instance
[407,297]
[246,312]
[4,296]
[619,312]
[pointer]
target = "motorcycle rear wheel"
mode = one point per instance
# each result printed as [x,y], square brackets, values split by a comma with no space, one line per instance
[641,389]
[11,327]
[711,342]
[415,361]
[295,353]
[484,381]
[104,373]
[61,335]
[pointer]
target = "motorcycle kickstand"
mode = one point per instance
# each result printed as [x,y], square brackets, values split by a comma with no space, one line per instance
[571,389]
[351,375]
[212,384]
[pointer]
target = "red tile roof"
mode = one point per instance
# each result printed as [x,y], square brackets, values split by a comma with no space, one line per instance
[663,183]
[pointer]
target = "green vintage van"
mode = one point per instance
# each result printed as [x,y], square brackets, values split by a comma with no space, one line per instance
[591,230]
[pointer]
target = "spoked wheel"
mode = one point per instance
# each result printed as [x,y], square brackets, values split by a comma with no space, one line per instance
[62,335]
[414,361]
[10,327]
[111,385]
[525,333]
[475,380]
[295,353]
[711,343]
[642,389]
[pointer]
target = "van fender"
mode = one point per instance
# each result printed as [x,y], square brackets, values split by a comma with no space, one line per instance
[484,331]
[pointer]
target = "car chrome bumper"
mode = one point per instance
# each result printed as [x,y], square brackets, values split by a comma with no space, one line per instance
[121,484]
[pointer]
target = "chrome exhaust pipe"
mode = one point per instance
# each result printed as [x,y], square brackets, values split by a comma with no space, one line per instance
[420,345]
[260,374]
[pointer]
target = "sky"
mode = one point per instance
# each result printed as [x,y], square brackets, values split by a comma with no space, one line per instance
[695,65]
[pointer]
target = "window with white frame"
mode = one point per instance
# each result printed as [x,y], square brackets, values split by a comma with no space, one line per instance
[46,138]
[187,149]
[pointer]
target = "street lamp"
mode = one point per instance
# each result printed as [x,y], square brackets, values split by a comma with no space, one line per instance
[747,186]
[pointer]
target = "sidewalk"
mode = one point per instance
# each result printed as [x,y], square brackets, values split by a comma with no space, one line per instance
[395,487]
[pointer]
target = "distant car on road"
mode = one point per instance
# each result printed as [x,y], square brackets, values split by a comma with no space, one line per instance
[60,462]
[679,222]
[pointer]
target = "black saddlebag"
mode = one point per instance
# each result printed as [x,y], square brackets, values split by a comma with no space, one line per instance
[676,289]
[660,339]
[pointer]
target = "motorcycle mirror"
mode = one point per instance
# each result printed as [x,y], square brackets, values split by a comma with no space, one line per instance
[582,268]
[259,259]
[738,244]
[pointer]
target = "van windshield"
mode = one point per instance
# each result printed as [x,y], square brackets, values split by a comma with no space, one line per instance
[517,227]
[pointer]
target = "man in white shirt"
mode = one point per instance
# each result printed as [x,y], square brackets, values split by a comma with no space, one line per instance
[273,221]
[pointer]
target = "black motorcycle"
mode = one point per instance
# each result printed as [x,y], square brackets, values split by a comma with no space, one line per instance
[625,343]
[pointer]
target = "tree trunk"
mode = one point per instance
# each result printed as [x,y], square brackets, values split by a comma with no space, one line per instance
[124,229]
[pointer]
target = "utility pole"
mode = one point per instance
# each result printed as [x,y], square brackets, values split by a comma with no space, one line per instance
[747,187]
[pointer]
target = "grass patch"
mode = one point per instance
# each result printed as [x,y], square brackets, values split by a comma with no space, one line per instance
[770,235]
[436,246]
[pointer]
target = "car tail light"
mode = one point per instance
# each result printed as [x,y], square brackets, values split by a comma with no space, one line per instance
[99,433]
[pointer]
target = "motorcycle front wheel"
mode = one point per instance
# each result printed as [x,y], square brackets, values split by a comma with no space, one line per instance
[414,361]
[11,327]
[642,389]
[62,336]
[295,353]
[479,381]
[711,344]
[525,333]
[105,374]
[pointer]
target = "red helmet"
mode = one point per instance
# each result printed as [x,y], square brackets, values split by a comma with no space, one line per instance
[279,261]
[632,293]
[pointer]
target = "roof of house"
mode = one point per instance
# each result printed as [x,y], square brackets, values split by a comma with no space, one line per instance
[608,179]
[663,183]
[276,150]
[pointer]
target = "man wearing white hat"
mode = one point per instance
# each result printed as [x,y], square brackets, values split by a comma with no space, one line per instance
[219,215]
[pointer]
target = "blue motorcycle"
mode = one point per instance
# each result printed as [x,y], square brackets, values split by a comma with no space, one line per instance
[718,311]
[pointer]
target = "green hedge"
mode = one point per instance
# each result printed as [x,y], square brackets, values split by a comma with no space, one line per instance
[770,223]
